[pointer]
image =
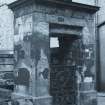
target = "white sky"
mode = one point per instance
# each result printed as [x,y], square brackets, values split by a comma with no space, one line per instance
[54,42]
[6,1]
[90,2]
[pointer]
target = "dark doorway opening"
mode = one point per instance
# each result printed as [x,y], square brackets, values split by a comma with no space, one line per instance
[63,81]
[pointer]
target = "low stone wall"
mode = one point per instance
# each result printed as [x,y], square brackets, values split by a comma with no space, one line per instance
[87,94]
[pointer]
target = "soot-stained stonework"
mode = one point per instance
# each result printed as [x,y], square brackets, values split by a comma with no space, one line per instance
[55,74]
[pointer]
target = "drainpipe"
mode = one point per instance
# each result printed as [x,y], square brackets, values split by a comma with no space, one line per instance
[98,67]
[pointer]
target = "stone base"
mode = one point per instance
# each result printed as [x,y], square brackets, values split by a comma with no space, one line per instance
[88,98]
[42,100]
[87,94]
[30,100]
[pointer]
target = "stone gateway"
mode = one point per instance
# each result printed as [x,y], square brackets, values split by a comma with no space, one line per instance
[62,75]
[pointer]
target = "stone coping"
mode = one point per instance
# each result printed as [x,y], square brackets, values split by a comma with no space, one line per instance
[72,5]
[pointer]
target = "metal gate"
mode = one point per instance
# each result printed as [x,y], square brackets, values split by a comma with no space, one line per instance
[63,85]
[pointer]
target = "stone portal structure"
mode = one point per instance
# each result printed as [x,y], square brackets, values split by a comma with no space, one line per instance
[62,75]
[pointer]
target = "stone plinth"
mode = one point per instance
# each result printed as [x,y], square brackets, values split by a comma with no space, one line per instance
[87,94]
[30,100]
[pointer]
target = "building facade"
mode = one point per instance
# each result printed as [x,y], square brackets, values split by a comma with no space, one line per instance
[54,52]
[100,46]
[6,45]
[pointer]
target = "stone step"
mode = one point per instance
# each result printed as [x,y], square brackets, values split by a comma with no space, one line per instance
[100,94]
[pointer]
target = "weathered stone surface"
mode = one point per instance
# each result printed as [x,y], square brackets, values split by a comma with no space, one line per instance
[88,98]
[32,7]
[86,86]
[75,57]
[28,100]
[5,94]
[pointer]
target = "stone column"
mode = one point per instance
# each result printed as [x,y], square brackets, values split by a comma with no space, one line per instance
[40,53]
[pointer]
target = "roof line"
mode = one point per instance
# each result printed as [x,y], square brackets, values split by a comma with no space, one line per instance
[73,5]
